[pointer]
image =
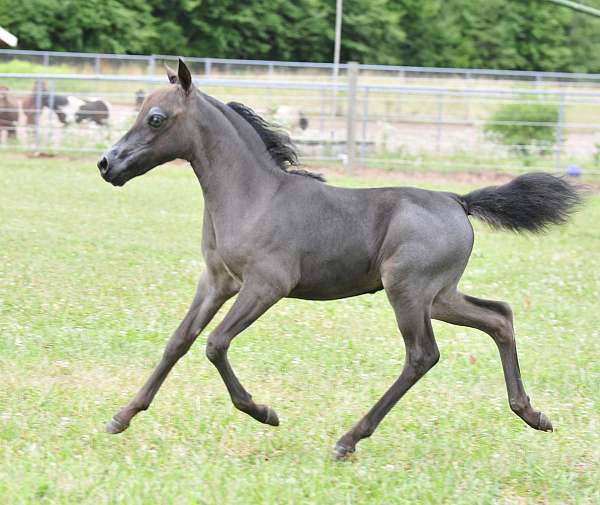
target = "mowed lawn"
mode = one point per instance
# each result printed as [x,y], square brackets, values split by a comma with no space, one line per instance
[93,279]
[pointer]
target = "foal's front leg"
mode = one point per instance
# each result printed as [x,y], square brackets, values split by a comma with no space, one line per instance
[255,297]
[211,294]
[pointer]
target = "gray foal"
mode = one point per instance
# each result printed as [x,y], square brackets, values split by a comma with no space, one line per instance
[271,232]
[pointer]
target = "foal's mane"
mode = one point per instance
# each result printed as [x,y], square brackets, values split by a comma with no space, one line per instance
[278,143]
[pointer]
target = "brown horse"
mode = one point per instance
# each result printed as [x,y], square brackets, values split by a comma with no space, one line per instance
[9,114]
[33,104]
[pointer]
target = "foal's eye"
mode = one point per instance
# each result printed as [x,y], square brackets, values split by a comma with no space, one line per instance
[155,120]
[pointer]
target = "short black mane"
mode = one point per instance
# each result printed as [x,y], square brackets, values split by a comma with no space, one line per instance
[278,143]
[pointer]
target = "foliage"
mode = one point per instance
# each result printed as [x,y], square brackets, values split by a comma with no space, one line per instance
[27,67]
[526,128]
[525,34]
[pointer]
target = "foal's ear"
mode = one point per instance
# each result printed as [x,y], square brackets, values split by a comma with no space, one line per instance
[171,74]
[184,76]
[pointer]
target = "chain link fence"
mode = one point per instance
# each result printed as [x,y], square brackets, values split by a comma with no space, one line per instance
[397,117]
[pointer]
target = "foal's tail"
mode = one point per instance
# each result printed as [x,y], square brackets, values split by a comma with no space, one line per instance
[530,202]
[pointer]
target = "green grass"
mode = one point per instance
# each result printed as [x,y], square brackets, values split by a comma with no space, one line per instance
[477,163]
[93,279]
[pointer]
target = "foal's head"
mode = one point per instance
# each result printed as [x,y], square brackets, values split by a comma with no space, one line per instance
[162,131]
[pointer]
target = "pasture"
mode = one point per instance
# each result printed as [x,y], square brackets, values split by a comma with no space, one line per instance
[93,280]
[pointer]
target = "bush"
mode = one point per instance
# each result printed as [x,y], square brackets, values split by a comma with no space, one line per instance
[526,129]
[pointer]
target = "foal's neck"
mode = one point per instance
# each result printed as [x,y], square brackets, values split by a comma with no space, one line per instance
[231,162]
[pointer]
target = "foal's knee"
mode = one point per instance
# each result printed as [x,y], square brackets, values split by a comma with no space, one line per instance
[177,348]
[424,360]
[216,348]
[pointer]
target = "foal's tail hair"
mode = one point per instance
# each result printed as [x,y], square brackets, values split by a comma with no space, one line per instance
[530,202]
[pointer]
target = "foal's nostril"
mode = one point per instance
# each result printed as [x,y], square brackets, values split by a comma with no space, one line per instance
[103,165]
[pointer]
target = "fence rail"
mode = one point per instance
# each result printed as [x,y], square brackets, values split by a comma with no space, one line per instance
[403,119]
[97,59]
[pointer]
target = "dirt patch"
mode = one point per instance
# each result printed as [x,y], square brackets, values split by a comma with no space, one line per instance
[411,176]
[404,177]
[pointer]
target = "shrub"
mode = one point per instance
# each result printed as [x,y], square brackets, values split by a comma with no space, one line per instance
[526,128]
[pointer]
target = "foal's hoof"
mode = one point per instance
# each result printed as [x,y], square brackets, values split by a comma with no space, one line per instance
[115,426]
[342,452]
[544,423]
[271,418]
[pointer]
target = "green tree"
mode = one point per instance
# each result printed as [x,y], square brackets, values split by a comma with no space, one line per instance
[69,25]
[510,34]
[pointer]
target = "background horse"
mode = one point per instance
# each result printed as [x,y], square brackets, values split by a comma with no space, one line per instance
[9,114]
[68,108]
[290,117]
[271,232]
[95,110]
[71,109]
[33,104]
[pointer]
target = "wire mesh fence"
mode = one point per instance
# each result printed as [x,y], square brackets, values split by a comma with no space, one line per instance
[217,67]
[413,118]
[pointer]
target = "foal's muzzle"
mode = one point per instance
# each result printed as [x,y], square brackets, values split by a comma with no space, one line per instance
[103,166]
[109,169]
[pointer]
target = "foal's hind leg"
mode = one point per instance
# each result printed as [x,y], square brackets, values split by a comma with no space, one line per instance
[211,294]
[495,319]
[412,314]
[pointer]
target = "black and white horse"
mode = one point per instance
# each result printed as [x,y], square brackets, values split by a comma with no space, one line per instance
[71,109]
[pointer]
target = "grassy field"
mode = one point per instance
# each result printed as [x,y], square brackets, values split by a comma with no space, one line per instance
[93,279]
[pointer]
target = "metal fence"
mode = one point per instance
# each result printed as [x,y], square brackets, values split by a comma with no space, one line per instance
[218,67]
[413,118]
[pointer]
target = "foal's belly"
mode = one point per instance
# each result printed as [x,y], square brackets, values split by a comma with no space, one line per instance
[329,281]
[335,293]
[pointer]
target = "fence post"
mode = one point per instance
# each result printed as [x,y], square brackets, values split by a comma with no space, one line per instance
[97,65]
[322,111]
[51,93]
[469,86]
[559,134]
[351,115]
[439,122]
[365,119]
[151,65]
[207,67]
[538,81]
[38,113]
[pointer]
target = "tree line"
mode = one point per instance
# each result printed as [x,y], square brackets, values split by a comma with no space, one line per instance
[504,34]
